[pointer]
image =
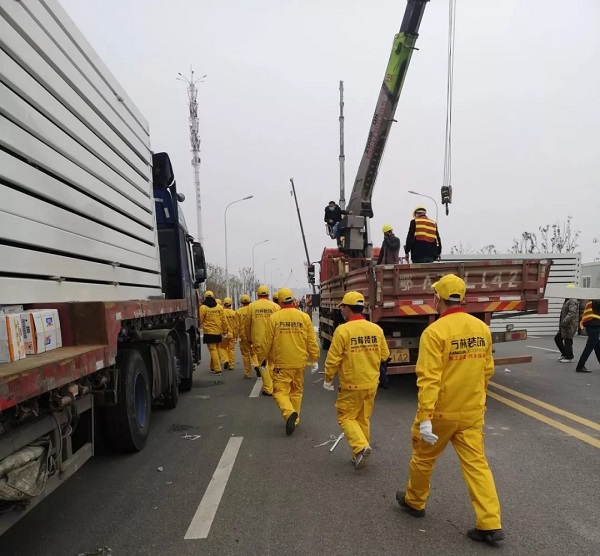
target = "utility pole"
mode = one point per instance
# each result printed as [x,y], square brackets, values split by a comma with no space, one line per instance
[342,155]
[302,230]
[195,142]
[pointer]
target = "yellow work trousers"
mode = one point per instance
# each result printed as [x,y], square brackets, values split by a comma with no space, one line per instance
[213,351]
[354,408]
[227,351]
[288,387]
[266,373]
[248,357]
[467,439]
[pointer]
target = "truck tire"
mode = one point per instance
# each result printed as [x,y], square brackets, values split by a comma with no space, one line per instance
[171,398]
[128,422]
[186,363]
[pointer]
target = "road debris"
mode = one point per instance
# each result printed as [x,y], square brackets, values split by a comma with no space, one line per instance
[191,436]
[332,438]
[318,380]
[161,469]
[336,442]
[97,552]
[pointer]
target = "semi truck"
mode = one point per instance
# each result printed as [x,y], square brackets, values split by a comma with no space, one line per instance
[399,297]
[92,231]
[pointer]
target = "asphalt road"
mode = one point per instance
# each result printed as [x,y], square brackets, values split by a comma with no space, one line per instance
[291,496]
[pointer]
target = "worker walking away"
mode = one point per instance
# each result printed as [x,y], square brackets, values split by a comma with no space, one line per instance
[257,325]
[423,243]
[214,326]
[357,350]
[248,355]
[227,346]
[453,370]
[290,342]
[390,249]
[591,323]
[220,303]
[569,315]
[275,298]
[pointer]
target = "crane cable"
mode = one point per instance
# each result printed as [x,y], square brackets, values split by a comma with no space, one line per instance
[450,85]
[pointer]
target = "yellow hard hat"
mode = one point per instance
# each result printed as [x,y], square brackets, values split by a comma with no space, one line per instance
[353,298]
[275,296]
[451,288]
[219,302]
[227,302]
[262,290]
[420,208]
[208,293]
[571,286]
[285,295]
[387,228]
[245,298]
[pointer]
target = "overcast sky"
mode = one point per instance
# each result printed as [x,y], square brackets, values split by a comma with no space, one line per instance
[526,134]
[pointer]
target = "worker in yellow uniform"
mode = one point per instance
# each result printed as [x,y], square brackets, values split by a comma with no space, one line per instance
[214,325]
[248,355]
[290,342]
[453,371]
[275,298]
[227,346]
[357,350]
[219,302]
[257,325]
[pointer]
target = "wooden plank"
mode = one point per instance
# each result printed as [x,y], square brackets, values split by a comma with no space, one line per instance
[18,80]
[49,54]
[22,230]
[21,113]
[25,145]
[56,27]
[29,208]
[43,291]
[39,183]
[15,260]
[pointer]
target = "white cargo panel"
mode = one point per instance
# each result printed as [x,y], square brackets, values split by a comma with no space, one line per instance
[565,269]
[77,216]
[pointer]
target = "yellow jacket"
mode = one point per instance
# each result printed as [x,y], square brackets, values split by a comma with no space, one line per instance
[212,320]
[242,317]
[290,339]
[232,322]
[257,324]
[454,367]
[357,350]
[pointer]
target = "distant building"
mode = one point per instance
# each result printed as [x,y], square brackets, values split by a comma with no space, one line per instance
[590,275]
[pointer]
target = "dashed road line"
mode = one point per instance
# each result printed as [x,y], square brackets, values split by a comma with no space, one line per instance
[256,389]
[544,349]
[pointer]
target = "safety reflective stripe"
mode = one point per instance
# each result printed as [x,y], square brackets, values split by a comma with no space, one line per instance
[425,229]
[588,314]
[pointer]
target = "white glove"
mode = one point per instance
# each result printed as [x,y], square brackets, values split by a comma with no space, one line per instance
[328,386]
[314,368]
[426,431]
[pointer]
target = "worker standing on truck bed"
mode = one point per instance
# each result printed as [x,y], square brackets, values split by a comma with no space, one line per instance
[257,324]
[248,355]
[453,371]
[357,350]
[423,243]
[591,323]
[289,343]
[227,346]
[214,325]
[390,249]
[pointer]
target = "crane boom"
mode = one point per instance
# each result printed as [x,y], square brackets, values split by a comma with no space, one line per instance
[354,226]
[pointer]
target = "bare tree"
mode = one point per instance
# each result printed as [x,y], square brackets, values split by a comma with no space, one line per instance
[527,243]
[488,249]
[244,282]
[554,238]
[461,249]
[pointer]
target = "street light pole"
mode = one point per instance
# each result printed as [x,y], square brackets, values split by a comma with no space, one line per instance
[263,241]
[226,261]
[265,268]
[428,197]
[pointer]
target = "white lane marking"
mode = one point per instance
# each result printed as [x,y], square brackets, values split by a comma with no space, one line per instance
[205,514]
[257,388]
[544,349]
[535,337]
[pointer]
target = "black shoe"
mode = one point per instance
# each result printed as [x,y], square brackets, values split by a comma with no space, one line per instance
[400,497]
[226,365]
[257,371]
[491,536]
[384,386]
[582,370]
[290,425]
[266,393]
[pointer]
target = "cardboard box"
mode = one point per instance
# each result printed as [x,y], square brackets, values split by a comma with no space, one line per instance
[41,331]
[12,346]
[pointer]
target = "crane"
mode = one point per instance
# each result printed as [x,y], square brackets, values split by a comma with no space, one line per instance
[354,226]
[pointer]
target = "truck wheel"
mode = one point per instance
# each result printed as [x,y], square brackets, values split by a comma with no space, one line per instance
[186,364]
[172,397]
[325,343]
[128,422]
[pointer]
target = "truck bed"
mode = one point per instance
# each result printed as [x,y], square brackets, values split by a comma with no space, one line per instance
[90,332]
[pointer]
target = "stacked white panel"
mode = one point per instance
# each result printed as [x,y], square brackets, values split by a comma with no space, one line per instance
[565,269]
[77,216]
